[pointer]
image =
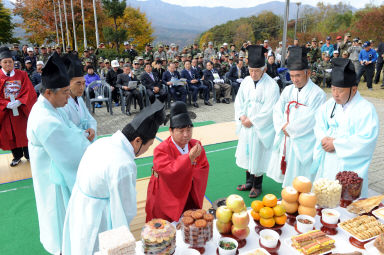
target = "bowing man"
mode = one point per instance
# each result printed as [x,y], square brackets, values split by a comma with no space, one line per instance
[56,146]
[104,196]
[76,109]
[294,119]
[180,170]
[254,103]
[347,127]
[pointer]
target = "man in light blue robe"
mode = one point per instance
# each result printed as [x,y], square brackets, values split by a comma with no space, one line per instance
[76,109]
[347,127]
[254,103]
[104,196]
[294,119]
[56,146]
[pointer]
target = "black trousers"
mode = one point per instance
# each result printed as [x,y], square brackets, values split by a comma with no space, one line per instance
[161,95]
[18,153]
[133,94]
[379,67]
[368,70]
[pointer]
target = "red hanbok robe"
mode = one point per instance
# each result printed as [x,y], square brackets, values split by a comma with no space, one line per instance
[13,129]
[179,186]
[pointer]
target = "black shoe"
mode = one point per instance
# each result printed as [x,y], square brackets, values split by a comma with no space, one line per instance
[207,103]
[195,105]
[227,101]
[128,113]
[223,101]
[15,162]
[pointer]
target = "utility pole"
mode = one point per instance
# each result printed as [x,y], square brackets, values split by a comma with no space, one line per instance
[297,17]
[84,32]
[284,50]
[96,27]
[61,26]
[57,30]
[74,27]
[66,23]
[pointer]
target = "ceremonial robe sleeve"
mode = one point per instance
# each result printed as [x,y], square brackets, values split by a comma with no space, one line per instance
[240,106]
[65,146]
[278,111]
[123,197]
[358,148]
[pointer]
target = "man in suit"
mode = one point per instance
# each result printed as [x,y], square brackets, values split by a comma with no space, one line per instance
[195,84]
[218,83]
[152,84]
[196,68]
[178,92]
[236,74]
[379,65]
[122,82]
[158,69]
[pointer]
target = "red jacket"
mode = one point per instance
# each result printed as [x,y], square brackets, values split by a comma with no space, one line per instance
[179,186]
[13,129]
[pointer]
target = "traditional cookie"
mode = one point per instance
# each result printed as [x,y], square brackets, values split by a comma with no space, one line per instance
[201,223]
[208,217]
[187,221]
[197,215]
[188,213]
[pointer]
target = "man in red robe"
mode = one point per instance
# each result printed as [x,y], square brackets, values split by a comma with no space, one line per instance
[180,170]
[17,96]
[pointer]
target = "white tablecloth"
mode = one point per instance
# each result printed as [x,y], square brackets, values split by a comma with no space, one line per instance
[342,242]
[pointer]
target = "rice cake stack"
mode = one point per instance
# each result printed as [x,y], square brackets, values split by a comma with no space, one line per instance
[313,243]
[119,241]
[158,237]
[197,227]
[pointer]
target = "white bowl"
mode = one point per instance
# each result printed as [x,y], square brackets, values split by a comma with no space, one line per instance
[190,251]
[269,238]
[227,252]
[304,228]
[330,216]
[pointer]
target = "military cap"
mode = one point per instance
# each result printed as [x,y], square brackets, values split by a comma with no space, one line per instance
[222,46]
[88,60]
[91,48]
[101,60]
[140,58]
[321,42]
[85,50]
[184,55]
[326,54]
[135,62]
[175,61]
[348,34]
[189,55]
[355,39]
[43,47]
[210,43]
[162,59]
[106,61]
[360,41]
[147,59]
[58,46]
[226,55]
[204,44]
[121,60]
[127,60]
[314,39]
[230,58]
[195,57]
[345,53]
[161,46]
[148,45]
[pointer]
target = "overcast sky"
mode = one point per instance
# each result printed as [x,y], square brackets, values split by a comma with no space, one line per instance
[251,3]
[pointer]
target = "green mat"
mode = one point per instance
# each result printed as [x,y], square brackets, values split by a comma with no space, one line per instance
[19,225]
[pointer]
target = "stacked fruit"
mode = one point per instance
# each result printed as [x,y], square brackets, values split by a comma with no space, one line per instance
[233,218]
[299,197]
[267,212]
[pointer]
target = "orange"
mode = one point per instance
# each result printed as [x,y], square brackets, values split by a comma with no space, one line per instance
[279,210]
[270,200]
[255,215]
[257,205]
[280,220]
[267,223]
[266,212]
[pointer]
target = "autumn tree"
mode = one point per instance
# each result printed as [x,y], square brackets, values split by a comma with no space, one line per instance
[114,9]
[6,25]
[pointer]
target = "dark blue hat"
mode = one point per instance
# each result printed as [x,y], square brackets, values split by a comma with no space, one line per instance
[366,44]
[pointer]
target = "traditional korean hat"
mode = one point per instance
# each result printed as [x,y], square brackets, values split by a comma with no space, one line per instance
[147,122]
[54,74]
[256,57]
[5,53]
[343,73]
[73,65]
[297,58]
[179,116]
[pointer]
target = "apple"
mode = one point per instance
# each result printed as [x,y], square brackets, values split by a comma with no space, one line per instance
[223,214]
[240,233]
[241,219]
[235,203]
[223,228]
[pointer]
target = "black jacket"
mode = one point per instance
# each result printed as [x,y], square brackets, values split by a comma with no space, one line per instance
[233,75]
[147,81]
[123,80]
[111,77]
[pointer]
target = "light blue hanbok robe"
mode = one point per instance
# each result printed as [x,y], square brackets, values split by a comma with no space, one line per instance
[255,143]
[355,129]
[56,146]
[301,140]
[104,196]
[79,114]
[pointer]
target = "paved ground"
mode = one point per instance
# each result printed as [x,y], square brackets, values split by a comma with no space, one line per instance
[108,124]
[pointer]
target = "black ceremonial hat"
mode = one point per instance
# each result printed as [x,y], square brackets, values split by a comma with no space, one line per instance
[297,58]
[343,73]
[256,57]
[54,74]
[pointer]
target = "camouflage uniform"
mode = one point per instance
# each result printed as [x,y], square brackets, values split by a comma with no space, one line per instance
[315,54]
[194,52]
[148,55]
[43,57]
[321,73]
